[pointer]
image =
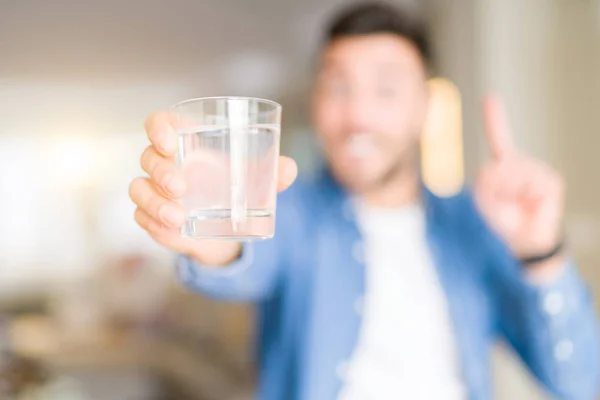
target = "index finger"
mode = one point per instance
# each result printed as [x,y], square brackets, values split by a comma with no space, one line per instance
[159,129]
[497,131]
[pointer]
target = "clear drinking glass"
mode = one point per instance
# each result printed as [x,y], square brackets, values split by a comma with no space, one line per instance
[228,151]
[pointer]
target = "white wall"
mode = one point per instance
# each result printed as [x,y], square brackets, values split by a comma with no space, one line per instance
[67,155]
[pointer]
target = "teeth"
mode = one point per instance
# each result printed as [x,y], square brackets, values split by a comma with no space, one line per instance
[360,145]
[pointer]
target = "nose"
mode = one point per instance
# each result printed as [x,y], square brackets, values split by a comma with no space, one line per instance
[359,113]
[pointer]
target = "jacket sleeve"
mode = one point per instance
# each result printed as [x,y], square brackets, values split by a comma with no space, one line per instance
[256,274]
[553,327]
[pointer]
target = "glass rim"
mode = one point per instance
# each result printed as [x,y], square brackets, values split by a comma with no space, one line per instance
[247,98]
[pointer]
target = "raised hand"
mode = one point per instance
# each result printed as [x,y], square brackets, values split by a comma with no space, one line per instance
[521,198]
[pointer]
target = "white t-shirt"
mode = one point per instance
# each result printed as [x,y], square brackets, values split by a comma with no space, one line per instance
[405,348]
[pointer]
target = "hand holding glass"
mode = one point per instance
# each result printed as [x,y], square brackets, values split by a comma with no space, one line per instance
[228,148]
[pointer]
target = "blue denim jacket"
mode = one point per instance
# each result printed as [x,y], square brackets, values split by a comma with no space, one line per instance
[307,280]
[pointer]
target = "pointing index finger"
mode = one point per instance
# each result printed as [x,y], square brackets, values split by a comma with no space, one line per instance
[497,131]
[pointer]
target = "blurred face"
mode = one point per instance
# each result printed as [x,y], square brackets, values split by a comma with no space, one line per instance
[369,107]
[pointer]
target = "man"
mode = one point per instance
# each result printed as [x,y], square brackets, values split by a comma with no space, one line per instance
[373,287]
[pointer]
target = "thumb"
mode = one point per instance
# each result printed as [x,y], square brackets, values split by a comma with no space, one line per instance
[288,170]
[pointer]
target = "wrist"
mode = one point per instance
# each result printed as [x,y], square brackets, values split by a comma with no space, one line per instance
[548,270]
[215,253]
[545,267]
[532,260]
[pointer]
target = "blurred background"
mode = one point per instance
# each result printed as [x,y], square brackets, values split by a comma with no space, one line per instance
[89,308]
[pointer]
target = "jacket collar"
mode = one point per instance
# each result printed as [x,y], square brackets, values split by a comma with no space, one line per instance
[338,197]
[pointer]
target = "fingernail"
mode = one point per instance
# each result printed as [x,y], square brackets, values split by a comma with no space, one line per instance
[170,141]
[167,143]
[171,215]
[175,185]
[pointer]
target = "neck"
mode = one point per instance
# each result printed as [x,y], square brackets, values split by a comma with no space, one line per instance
[398,191]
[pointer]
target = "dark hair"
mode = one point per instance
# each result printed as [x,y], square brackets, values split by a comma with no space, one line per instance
[378,17]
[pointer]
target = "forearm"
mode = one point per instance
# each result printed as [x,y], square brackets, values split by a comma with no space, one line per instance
[251,276]
[553,327]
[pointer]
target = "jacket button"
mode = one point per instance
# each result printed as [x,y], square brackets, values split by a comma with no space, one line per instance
[553,303]
[563,350]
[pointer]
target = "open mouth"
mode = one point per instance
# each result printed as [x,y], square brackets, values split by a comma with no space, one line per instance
[361,145]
